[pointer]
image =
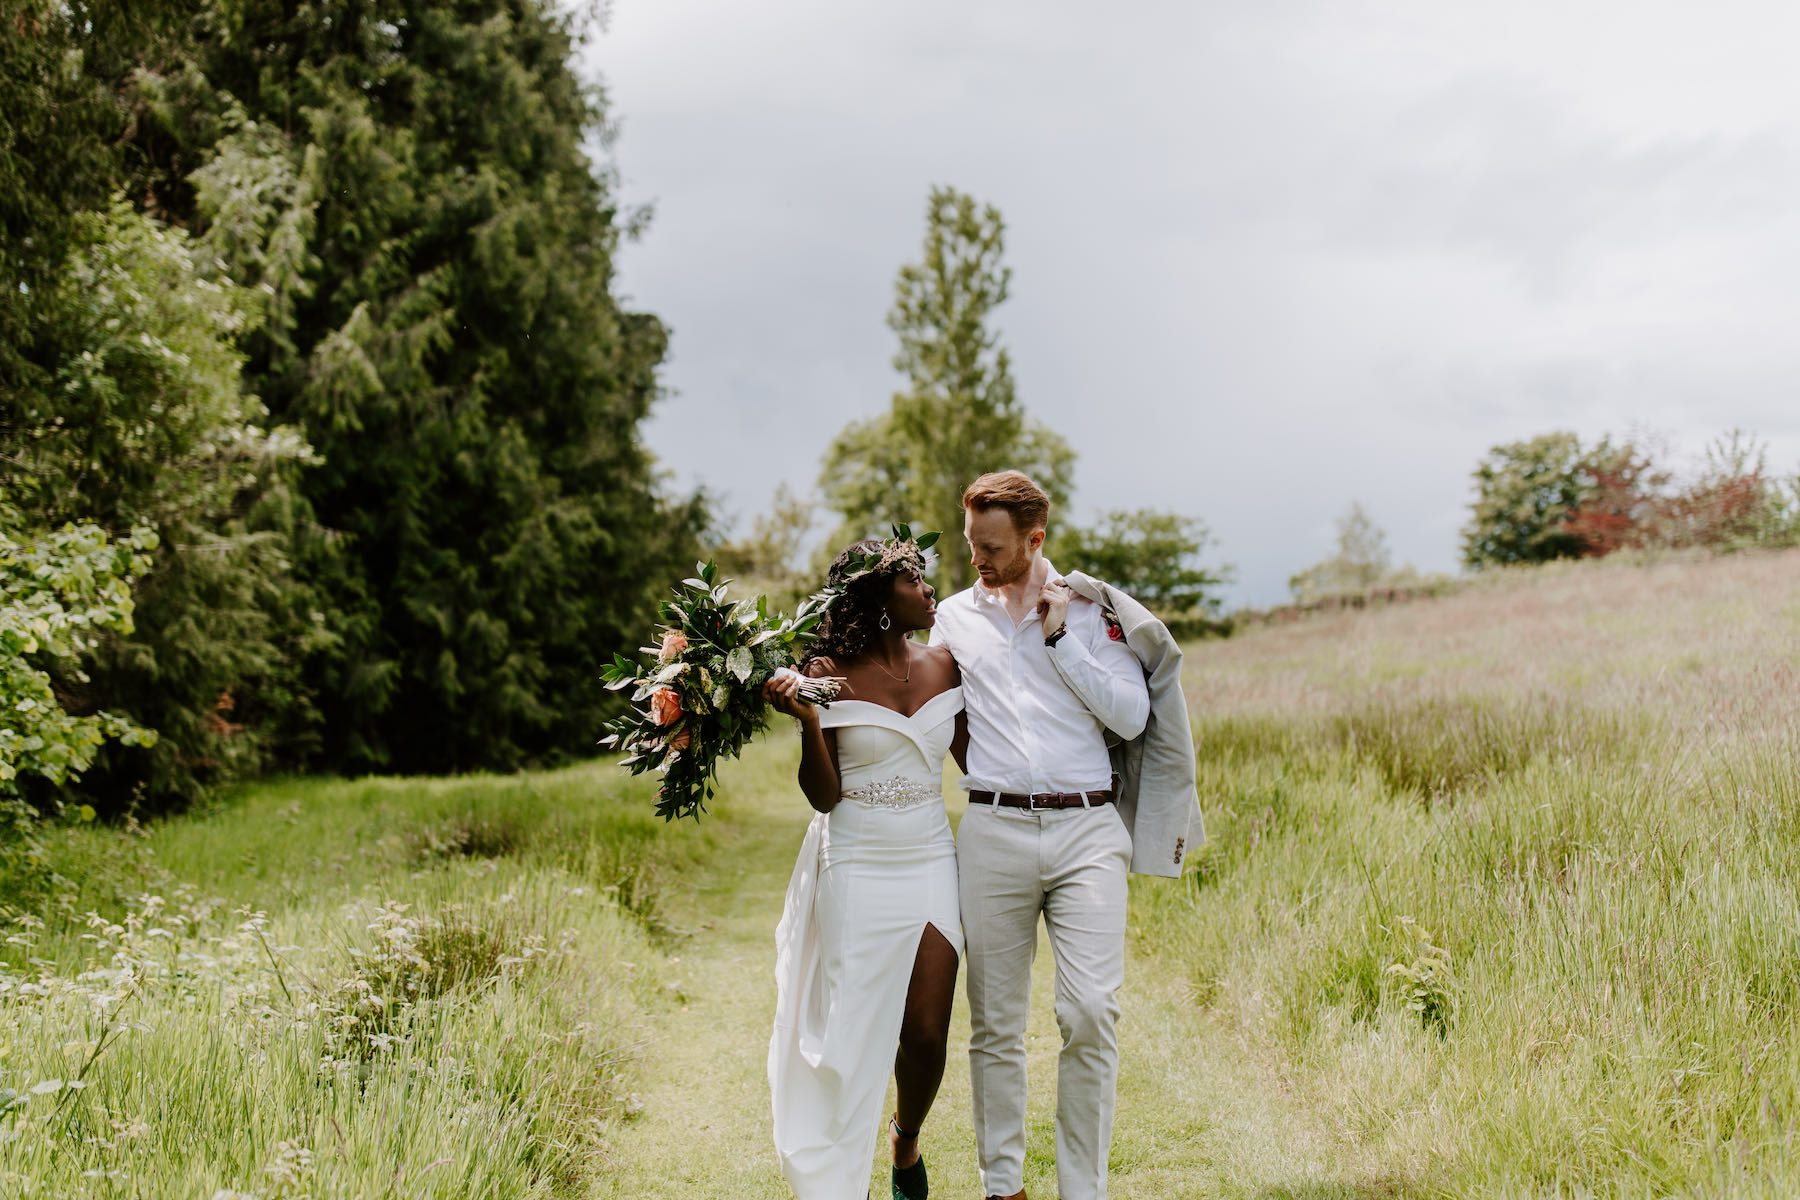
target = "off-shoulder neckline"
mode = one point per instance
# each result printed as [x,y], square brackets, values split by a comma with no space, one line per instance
[914,714]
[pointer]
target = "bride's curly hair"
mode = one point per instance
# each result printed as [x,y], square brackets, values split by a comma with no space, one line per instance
[854,618]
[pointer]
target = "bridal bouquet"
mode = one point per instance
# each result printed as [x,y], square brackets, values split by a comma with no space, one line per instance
[700,696]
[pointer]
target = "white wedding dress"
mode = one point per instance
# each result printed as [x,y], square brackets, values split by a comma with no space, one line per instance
[872,873]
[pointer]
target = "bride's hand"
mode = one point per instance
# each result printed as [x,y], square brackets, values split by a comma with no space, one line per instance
[783,692]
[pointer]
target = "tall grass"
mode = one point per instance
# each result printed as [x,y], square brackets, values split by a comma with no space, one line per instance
[358,988]
[1500,893]
[1505,885]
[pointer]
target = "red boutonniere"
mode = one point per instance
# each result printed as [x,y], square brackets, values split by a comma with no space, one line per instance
[1113,629]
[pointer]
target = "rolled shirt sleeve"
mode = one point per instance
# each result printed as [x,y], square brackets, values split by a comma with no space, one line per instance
[1102,672]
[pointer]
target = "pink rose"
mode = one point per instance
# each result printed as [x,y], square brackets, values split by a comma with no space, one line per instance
[673,643]
[665,706]
[681,738]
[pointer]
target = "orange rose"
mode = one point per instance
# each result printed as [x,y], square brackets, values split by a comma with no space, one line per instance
[673,643]
[681,739]
[665,706]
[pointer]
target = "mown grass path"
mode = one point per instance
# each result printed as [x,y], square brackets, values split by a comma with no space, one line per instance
[1196,1117]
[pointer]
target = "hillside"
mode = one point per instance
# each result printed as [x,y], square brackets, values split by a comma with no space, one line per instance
[1498,899]
[1500,886]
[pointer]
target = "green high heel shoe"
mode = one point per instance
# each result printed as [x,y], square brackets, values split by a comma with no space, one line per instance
[910,1183]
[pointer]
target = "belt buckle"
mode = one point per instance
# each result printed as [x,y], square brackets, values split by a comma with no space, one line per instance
[1031,803]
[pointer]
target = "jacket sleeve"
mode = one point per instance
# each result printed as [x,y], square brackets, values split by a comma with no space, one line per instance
[1104,673]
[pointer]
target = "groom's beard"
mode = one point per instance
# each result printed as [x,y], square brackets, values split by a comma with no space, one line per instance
[1014,573]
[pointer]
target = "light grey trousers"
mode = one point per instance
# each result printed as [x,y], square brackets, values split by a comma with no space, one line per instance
[1070,865]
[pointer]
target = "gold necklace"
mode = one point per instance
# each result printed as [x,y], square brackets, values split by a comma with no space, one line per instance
[890,674]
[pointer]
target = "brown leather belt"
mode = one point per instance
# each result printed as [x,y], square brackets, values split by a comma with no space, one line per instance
[1044,799]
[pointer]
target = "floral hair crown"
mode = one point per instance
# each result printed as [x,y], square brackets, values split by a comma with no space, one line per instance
[901,550]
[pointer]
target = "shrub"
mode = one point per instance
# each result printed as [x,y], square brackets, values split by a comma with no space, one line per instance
[58,593]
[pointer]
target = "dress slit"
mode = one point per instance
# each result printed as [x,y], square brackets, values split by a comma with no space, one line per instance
[873,877]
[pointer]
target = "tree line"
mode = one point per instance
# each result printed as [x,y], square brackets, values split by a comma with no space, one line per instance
[319,416]
[1553,496]
[318,413]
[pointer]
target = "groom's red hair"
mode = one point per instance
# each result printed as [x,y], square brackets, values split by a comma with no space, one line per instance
[1014,491]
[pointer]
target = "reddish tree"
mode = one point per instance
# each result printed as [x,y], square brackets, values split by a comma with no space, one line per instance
[1621,503]
[1717,511]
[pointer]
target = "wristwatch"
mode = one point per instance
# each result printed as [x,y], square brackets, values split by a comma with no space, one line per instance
[1057,636]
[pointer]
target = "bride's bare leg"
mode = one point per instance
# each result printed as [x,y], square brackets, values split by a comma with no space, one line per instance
[924,1038]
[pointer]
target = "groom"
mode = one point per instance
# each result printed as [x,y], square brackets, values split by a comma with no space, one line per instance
[1047,675]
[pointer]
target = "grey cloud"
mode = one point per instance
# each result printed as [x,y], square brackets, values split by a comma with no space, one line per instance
[1324,251]
[1497,165]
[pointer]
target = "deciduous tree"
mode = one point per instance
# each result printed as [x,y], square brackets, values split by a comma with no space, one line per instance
[60,591]
[1525,494]
[959,415]
[1361,559]
[1155,556]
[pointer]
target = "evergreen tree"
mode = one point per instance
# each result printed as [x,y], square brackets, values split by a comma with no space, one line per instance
[65,104]
[405,183]
[959,415]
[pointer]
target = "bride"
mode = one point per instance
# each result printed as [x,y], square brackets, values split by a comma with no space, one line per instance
[871,934]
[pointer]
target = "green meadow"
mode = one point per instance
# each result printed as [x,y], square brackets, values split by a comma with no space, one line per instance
[1499,899]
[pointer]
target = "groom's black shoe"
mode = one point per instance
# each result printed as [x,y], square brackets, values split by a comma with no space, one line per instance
[910,1183]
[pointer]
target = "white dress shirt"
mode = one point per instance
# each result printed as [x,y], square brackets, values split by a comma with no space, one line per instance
[1037,725]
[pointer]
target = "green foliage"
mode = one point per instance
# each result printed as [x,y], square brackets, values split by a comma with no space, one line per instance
[66,71]
[702,686]
[1776,522]
[1423,975]
[143,422]
[959,415]
[1154,556]
[406,188]
[1525,494]
[376,231]
[59,591]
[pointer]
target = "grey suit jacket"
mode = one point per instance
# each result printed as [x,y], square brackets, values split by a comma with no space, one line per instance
[1157,793]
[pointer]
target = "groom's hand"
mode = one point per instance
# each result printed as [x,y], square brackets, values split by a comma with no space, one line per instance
[1053,605]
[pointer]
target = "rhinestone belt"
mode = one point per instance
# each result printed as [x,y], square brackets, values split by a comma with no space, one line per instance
[898,792]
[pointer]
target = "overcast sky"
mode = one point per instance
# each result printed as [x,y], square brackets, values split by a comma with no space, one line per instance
[1268,257]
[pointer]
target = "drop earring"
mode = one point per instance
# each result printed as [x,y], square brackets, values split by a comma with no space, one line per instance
[887,622]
